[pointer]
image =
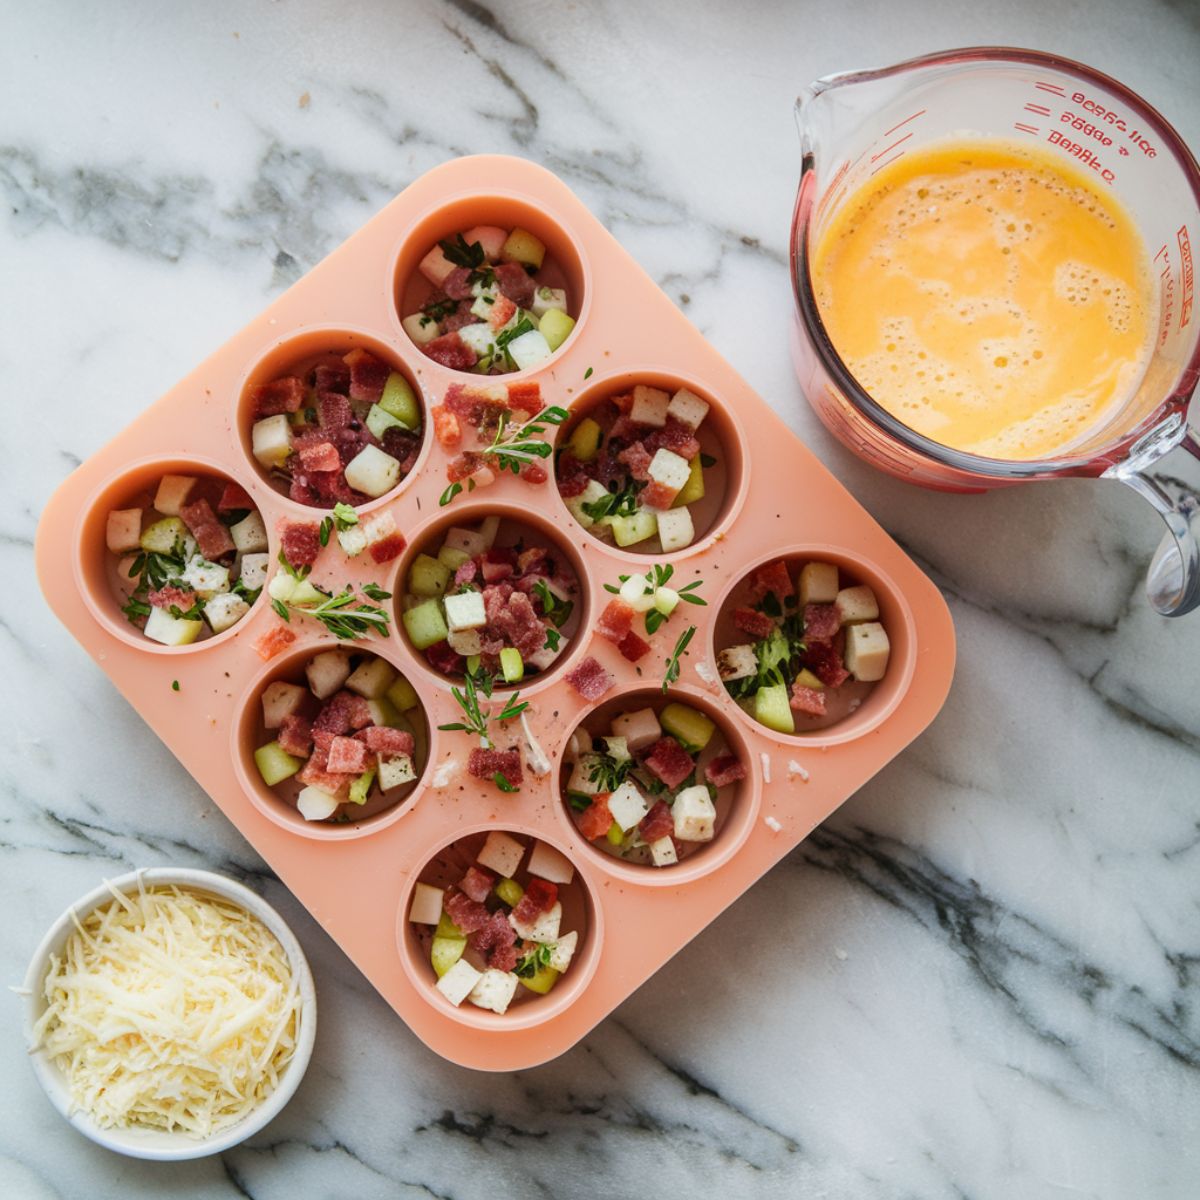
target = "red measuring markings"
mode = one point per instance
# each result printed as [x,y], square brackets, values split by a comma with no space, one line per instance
[900,125]
[1040,109]
[889,149]
[1025,128]
[1186,276]
[1052,88]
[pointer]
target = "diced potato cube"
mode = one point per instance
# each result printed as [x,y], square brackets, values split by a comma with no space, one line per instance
[420,328]
[543,928]
[466,642]
[480,337]
[457,983]
[737,662]
[529,349]
[253,572]
[205,578]
[372,471]
[546,298]
[638,592]
[675,529]
[627,805]
[316,804]
[669,469]
[594,491]
[857,604]
[171,631]
[395,770]
[172,494]
[694,813]
[639,729]
[543,658]
[563,951]
[489,527]
[353,541]
[465,610]
[281,699]
[249,534]
[271,440]
[371,678]
[224,611]
[867,651]
[522,247]
[123,531]
[327,672]
[580,780]
[494,990]
[818,583]
[425,624]
[628,531]
[688,408]
[650,406]
[426,907]
[662,852]
[435,266]
[469,541]
[548,863]
[501,853]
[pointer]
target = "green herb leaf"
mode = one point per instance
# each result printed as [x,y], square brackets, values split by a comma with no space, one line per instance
[375,592]
[344,516]
[461,254]
[588,373]
[325,530]
[174,685]
[672,671]
[707,460]
[280,608]
[502,783]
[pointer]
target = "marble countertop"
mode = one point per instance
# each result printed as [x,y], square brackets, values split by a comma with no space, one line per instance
[980,979]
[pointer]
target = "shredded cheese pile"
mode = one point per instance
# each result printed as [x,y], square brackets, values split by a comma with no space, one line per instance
[170,1010]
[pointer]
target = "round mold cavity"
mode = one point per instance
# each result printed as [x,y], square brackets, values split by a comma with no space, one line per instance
[737,804]
[875,702]
[299,354]
[278,803]
[565,265]
[516,523]
[720,436]
[445,866]
[96,567]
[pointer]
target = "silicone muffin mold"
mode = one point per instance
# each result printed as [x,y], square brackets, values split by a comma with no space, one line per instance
[777,499]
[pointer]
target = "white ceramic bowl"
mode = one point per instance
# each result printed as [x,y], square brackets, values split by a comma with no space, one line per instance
[150,1143]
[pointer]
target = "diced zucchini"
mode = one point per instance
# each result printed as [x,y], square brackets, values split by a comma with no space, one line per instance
[427,576]
[693,490]
[556,327]
[666,600]
[452,558]
[271,440]
[615,835]
[371,678]
[510,891]
[171,631]
[511,665]
[275,764]
[160,537]
[444,952]
[402,694]
[541,981]
[628,531]
[585,440]
[447,928]
[807,679]
[379,421]
[688,724]
[360,789]
[400,401]
[384,712]
[474,662]
[522,247]
[771,708]
[425,624]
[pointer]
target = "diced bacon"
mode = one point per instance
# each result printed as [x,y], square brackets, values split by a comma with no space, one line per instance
[540,897]
[466,573]
[331,377]
[625,429]
[172,597]
[496,941]
[460,318]
[313,774]
[772,578]
[300,542]
[451,351]
[595,820]
[330,487]
[477,884]
[457,285]
[464,401]
[500,957]
[526,397]
[469,915]
[572,476]
[616,620]
[284,395]
[726,769]
[676,436]
[637,458]
[347,756]
[367,375]
[623,403]
[485,764]
[515,283]
[381,739]
[532,559]
[334,411]
[295,735]
[534,473]
[402,446]
[464,465]
[658,495]
[277,638]
[211,536]
[343,712]
[501,312]
[821,622]
[498,563]
[632,646]
[824,661]
[515,620]
[807,700]
[590,679]
[446,428]
[384,546]
[320,457]
[756,624]
[670,761]
[234,498]
[657,823]
[442,658]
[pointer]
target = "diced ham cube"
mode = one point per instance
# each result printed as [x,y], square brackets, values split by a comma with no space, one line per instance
[674,436]
[773,578]
[347,756]
[331,377]
[526,397]
[314,774]
[284,395]
[616,620]
[295,735]
[496,941]
[384,540]
[343,712]
[172,597]
[821,622]
[534,473]
[658,495]
[590,679]
[477,884]
[637,458]
[379,739]
[501,312]
[595,820]
[670,761]
[756,624]
[807,700]
[486,764]
[823,660]
[277,638]
[451,351]
[457,285]
[657,823]
[234,498]
[540,896]
[726,769]
[300,542]
[367,375]
[633,647]
[446,428]
[334,411]
[441,656]
[211,536]
[469,915]
[515,283]
[319,456]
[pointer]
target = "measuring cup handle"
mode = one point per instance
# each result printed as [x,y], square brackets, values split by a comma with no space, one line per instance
[1173,580]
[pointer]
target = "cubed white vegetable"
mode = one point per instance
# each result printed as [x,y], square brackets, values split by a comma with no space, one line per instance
[580,780]
[327,672]
[435,266]
[546,298]
[493,990]
[638,593]
[254,568]
[639,729]
[426,907]
[688,408]
[281,699]
[590,494]
[353,541]
[529,349]
[271,440]
[315,804]
[420,328]
[465,610]
[818,583]
[479,337]
[373,471]
[663,853]
[485,301]
[371,678]
[501,853]
[694,813]
[171,631]
[282,586]
[857,604]
[675,529]
[172,494]
[666,599]
[206,578]
[378,527]
[737,662]
[466,642]
[457,982]
[395,770]
[224,611]
[543,928]
[249,534]
[867,651]
[627,805]
[669,469]
[617,748]
[578,744]
[563,951]
[649,406]
[548,863]
[490,237]
[123,531]
[543,657]
[489,527]
[469,541]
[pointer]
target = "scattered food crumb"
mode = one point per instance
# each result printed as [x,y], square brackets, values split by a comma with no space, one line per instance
[443,775]
[304,99]
[841,954]
[772,824]
[705,672]
[794,768]
[766,766]
[855,703]
[174,685]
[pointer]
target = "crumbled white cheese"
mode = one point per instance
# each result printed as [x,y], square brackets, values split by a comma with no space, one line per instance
[705,672]
[841,954]
[772,824]
[796,770]
[765,758]
[535,756]
[444,774]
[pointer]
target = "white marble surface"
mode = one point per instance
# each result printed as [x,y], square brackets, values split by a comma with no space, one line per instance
[981,979]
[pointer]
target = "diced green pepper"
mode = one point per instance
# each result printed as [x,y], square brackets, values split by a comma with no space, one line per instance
[511,665]
[360,789]
[585,440]
[400,401]
[510,891]
[275,764]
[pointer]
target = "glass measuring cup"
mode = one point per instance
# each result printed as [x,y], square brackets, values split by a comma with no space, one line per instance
[855,123]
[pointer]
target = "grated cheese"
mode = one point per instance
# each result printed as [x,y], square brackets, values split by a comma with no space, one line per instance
[171,1010]
[765,759]
[795,769]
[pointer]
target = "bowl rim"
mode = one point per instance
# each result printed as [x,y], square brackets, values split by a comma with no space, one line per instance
[157,1145]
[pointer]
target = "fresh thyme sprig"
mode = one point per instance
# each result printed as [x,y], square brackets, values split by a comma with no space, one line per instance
[527,968]
[477,718]
[672,672]
[344,614]
[470,255]
[342,518]
[513,446]
[608,772]
[658,576]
